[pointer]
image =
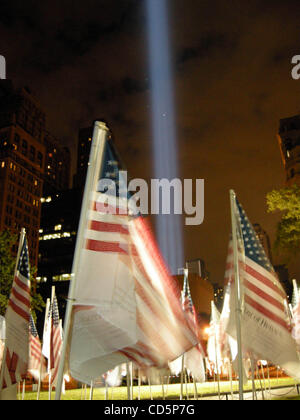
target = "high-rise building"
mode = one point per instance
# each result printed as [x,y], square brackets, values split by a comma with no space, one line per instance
[58,231]
[57,166]
[289,142]
[22,157]
[83,153]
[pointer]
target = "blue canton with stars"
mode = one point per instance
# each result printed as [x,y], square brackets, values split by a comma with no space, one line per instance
[111,171]
[187,292]
[23,265]
[252,245]
[32,327]
[55,313]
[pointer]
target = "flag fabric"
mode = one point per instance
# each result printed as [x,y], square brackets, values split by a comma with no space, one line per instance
[2,337]
[37,363]
[265,321]
[213,342]
[193,358]
[296,326]
[127,305]
[228,345]
[296,323]
[56,340]
[17,322]
[47,333]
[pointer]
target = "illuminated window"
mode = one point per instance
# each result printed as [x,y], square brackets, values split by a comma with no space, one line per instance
[57,227]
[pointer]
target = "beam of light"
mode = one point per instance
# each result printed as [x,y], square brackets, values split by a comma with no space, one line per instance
[168,227]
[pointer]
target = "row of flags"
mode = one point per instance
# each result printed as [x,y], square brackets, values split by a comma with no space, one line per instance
[22,352]
[124,306]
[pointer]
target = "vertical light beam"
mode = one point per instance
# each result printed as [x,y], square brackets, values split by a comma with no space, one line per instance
[168,227]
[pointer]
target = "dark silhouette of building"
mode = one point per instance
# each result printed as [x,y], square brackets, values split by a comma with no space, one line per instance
[85,136]
[58,231]
[57,166]
[22,157]
[289,142]
[264,240]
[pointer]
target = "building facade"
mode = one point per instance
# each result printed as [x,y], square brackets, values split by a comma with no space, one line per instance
[22,158]
[57,166]
[289,143]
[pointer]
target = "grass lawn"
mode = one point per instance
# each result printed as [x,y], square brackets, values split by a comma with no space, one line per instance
[172,391]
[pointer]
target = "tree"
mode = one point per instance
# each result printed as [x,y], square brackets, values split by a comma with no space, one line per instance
[7,267]
[287,201]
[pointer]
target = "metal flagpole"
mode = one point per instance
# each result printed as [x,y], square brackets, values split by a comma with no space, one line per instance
[181,377]
[44,330]
[237,287]
[254,395]
[94,168]
[128,381]
[216,348]
[50,373]
[21,240]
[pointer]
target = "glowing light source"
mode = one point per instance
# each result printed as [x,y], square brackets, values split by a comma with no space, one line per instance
[168,227]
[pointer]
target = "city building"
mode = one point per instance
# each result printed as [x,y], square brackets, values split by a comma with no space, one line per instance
[289,142]
[85,136]
[22,157]
[57,239]
[57,166]
[202,293]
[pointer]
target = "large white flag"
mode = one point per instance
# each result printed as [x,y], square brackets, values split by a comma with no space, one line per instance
[213,343]
[126,303]
[265,322]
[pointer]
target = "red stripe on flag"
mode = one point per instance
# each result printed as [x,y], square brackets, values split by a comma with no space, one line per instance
[250,270]
[107,227]
[108,209]
[263,295]
[19,311]
[101,246]
[266,312]
[20,297]
[22,284]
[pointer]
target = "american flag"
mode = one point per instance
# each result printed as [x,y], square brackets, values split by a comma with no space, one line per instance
[262,289]
[56,340]
[296,324]
[213,342]
[266,326]
[193,359]
[37,363]
[122,271]
[17,321]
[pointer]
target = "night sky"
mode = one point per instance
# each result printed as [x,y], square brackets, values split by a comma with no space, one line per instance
[232,79]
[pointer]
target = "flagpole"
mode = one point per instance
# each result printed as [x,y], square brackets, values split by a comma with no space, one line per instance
[94,168]
[216,347]
[237,288]
[21,240]
[296,290]
[51,320]
[44,329]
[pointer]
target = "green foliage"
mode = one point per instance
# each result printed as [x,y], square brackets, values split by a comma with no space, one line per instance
[7,267]
[286,201]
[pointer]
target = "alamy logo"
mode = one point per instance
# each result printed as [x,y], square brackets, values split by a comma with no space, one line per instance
[2,67]
[167,197]
[296,68]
